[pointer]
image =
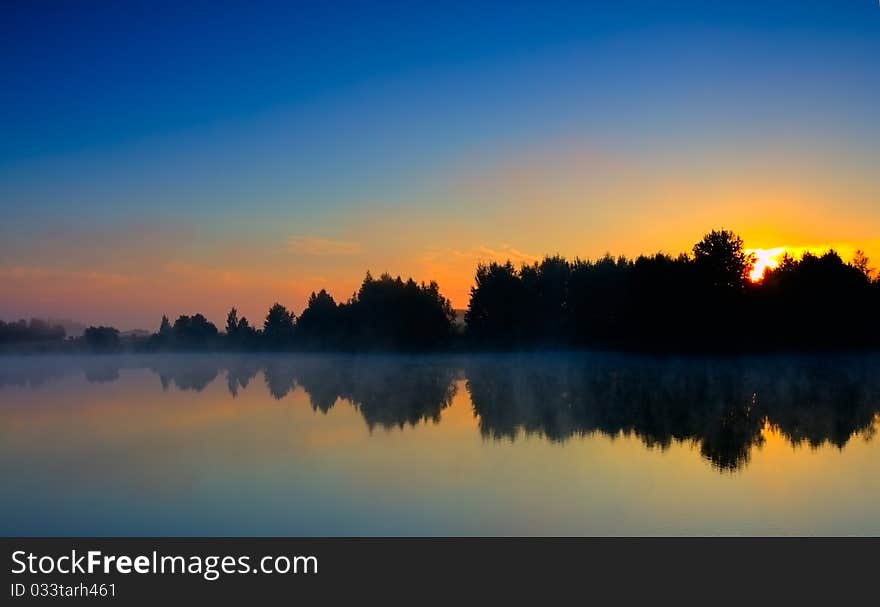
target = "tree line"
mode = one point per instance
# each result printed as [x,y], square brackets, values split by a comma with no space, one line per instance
[34,331]
[702,301]
[387,313]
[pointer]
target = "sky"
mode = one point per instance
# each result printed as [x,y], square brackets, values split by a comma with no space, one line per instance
[166,159]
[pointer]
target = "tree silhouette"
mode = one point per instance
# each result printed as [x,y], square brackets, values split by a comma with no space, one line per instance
[722,262]
[720,313]
[36,330]
[194,332]
[597,297]
[232,322]
[496,313]
[278,327]
[659,303]
[820,301]
[862,263]
[102,339]
[546,286]
[320,324]
[390,313]
[239,333]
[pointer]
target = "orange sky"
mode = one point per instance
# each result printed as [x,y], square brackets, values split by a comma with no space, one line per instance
[565,198]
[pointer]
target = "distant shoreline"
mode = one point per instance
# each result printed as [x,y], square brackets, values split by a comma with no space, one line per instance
[704,302]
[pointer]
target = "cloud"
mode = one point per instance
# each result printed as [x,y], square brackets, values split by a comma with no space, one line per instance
[469,258]
[317,246]
[83,278]
[504,253]
[453,269]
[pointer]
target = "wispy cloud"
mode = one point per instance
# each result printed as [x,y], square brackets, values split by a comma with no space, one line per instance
[503,253]
[89,278]
[469,258]
[317,246]
[454,269]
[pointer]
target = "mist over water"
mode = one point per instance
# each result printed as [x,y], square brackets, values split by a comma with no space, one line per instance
[531,444]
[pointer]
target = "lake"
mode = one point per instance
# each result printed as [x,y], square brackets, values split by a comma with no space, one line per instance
[538,444]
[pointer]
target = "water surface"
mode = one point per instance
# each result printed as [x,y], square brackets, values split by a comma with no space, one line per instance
[437,445]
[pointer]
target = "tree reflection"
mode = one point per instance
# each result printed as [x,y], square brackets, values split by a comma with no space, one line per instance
[185,372]
[240,372]
[400,392]
[388,391]
[324,379]
[392,391]
[280,376]
[722,406]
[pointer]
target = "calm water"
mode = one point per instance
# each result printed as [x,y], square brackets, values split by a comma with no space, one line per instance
[481,445]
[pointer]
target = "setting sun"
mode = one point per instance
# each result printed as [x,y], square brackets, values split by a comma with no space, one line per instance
[764,258]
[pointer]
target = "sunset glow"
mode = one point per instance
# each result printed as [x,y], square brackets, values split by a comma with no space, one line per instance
[764,259]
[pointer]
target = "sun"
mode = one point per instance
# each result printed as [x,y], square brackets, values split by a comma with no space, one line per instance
[764,258]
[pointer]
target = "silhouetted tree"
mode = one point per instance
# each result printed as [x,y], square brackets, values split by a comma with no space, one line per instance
[721,261]
[658,303]
[194,332]
[278,327]
[232,322]
[239,333]
[862,263]
[546,301]
[36,330]
[164,338]
[102,339]
[719,312]
[246,336]
[320,324]
[818,301]
[389,313]
[496,314]
[597,297]
[659,300]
